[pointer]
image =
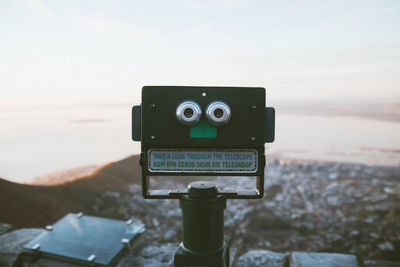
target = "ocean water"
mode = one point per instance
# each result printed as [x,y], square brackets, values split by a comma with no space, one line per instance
[40,141]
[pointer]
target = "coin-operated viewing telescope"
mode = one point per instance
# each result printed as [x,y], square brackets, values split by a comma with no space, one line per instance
[203,131]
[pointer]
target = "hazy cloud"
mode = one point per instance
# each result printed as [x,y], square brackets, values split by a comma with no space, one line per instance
[111,28]
[38,8]
[212,3]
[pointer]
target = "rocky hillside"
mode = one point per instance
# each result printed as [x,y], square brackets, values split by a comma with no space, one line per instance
[37,206]
[308,206]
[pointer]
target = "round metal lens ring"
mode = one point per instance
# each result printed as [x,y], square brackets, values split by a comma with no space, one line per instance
[220,119]
[187,108]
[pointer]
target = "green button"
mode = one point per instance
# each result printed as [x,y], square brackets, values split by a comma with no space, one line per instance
[203,130]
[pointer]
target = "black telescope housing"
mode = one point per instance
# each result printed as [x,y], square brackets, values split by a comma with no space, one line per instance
[203,131]
[178,121]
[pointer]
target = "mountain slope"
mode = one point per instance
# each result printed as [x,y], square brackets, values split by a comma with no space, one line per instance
[36,206]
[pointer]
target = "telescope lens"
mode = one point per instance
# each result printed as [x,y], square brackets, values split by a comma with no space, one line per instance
[218,113]
[188,112]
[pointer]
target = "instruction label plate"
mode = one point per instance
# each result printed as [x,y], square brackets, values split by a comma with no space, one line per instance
[211,161]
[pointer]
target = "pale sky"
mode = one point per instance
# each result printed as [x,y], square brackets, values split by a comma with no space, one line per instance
[105,51]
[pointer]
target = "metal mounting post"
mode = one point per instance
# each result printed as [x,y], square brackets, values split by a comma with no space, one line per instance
[203,228]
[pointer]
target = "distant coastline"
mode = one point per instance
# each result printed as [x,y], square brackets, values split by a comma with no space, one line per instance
[65,138]
[376,111]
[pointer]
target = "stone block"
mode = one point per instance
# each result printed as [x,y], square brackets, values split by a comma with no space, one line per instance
[255,258]
[304,259]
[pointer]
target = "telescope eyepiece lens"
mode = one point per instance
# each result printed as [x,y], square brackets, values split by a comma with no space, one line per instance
[188,113]
[218,113]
